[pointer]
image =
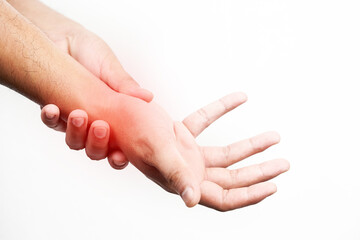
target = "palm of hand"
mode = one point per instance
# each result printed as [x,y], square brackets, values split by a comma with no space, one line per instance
[183,163]
[176,162]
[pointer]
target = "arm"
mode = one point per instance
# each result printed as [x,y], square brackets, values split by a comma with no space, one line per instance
[96,56]
[165,151]
[49,21]
[31,64]
[84,46]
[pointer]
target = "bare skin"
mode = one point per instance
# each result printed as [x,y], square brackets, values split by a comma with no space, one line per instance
[163,149]
[97,57]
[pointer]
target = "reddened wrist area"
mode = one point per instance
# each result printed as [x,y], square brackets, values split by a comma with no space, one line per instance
[138,128]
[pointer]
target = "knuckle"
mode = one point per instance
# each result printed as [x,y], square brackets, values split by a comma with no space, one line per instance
[226,152]
[174,178]
[224,206]
[224,104]
[254,146]
[261,172]
[234,176]
[205,117]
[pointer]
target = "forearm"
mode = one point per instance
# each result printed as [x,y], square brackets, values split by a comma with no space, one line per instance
[33,66]
[48,20]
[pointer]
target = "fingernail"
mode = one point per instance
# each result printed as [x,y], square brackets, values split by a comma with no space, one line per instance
[100,132]
[120,165]
[77,122]
[187,195]
[49,115]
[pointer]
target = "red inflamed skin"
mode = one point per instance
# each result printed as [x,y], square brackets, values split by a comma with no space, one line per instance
[163,149]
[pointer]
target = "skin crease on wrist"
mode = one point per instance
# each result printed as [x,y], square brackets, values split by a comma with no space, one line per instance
[164,150]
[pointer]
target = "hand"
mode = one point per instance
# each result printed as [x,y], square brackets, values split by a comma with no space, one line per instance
[225,189]
[166,152]
[162,149]
[96,56]
[94,139]
[88,50]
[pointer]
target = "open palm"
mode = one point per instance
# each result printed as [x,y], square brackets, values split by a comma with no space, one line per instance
[200,174]
[225,189]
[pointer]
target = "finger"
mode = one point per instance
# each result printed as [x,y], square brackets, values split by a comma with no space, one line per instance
[98,140]
[247,176]
[137,92]
[50,115]
[228,155]
[214,196]
[76,129]
[202,118]
[117,159]
[118,79]
[179,176]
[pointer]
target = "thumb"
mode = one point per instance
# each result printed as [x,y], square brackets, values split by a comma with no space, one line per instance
[114,75]
[135,91]
[180,177]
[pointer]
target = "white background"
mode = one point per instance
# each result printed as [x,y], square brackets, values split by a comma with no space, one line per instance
[298,62]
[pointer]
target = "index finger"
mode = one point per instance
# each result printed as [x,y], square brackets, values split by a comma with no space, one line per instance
[202,118]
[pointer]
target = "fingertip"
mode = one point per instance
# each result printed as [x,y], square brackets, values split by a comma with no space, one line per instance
[100,123]
[50,114]
[76,129]
[191,196]
[272,136]
[285,165]
[260,191]
[273,168]
[100,130]
[272,188]
[95,154]
[78,113]
[233,100]
[276,136]
[148,96]
[98,140]
[241,96]
[140,93]
[51,108]
[188,196]
[117,160]
[78,118]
